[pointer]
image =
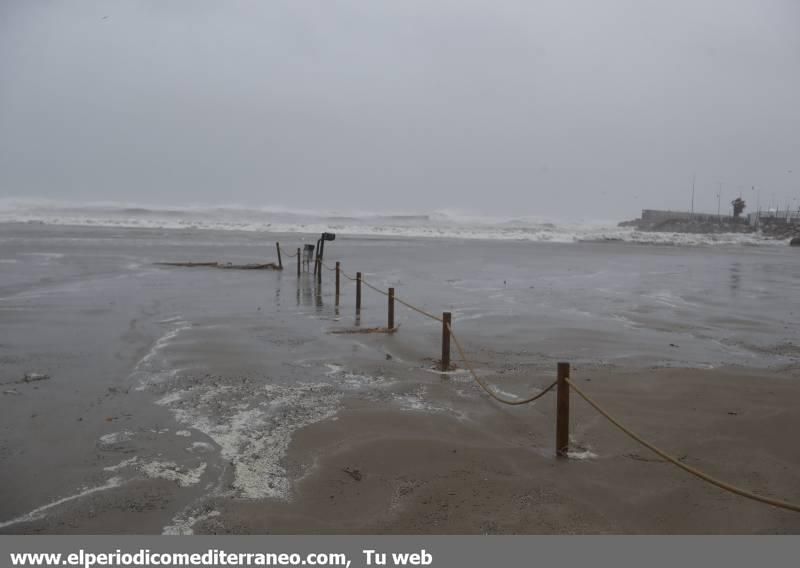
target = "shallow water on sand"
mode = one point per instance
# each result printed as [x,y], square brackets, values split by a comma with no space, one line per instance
[198,377]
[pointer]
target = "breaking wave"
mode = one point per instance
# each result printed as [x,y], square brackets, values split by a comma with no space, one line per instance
[439,224]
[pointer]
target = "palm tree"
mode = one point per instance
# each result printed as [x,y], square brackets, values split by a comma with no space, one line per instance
[738,206]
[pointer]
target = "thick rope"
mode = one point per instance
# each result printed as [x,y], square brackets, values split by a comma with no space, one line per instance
[418,310]
[406,304]
[687,468]
[378,290]
[487,389]
[673,460]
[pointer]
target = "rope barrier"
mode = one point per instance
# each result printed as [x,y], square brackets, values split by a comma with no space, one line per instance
[418,310]
[368,285]
[687,468]
[668,457]
[458,345]
[491,393]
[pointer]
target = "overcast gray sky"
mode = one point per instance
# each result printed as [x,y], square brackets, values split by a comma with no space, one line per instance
[564,109]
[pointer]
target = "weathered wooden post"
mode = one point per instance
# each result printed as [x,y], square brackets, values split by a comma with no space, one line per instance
[298,262]
[319,272]
[446,319]
[358,292]
[280,262]
[562,410]
[391,308]
[337,282]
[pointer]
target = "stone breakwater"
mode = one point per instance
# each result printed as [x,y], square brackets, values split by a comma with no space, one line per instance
[778,229]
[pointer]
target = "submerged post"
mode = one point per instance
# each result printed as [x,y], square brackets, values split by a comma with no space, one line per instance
[319,272]
[337,282]
[391,308]
[446,319]
[280,262]
[298,262]
[562,410]
[358,292]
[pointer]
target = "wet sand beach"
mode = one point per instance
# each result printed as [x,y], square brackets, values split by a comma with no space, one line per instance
[183,400]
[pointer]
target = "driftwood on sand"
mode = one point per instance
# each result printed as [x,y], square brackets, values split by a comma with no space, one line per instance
[228,265]
[364,330]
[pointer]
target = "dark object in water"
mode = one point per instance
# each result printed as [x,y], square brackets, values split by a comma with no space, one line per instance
[364,330]
[354,473]
[795,242]
[267,266]
[189,264]
[31,377]
[320,249]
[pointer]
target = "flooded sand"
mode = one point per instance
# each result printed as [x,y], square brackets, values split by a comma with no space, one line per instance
[198,400]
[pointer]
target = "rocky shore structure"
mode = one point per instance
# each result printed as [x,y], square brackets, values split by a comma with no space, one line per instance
[778,228]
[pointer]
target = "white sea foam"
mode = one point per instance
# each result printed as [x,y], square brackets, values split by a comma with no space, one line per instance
[171,471]
[115,438]
[581,455]
[200,448]
[130,462]
[254,429]
[184,522]
[161,469]
[147,370]
[437,224]
[40,512]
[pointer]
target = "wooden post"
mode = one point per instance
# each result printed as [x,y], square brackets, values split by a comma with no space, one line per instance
[562,411]
[319,272]
[280,262]
[337,282]
[391,308]
[298,262]
[446,319]
[358,292]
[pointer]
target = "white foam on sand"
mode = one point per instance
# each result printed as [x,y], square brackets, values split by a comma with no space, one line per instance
[130,462]
[147,370]
[116,438]
[171,471]
[253,428]
[162,343]
[183,523]
[581,455]
[200,448]
[40,512]
[158,469]
[354,380]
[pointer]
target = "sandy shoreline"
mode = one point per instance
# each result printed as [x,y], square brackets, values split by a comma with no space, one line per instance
[424,473]
[487,469]
[183,400]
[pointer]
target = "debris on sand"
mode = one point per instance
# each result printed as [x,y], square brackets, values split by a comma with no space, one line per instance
[32,377]
[354,473]
[228,265]
[364,330]
[29,378]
